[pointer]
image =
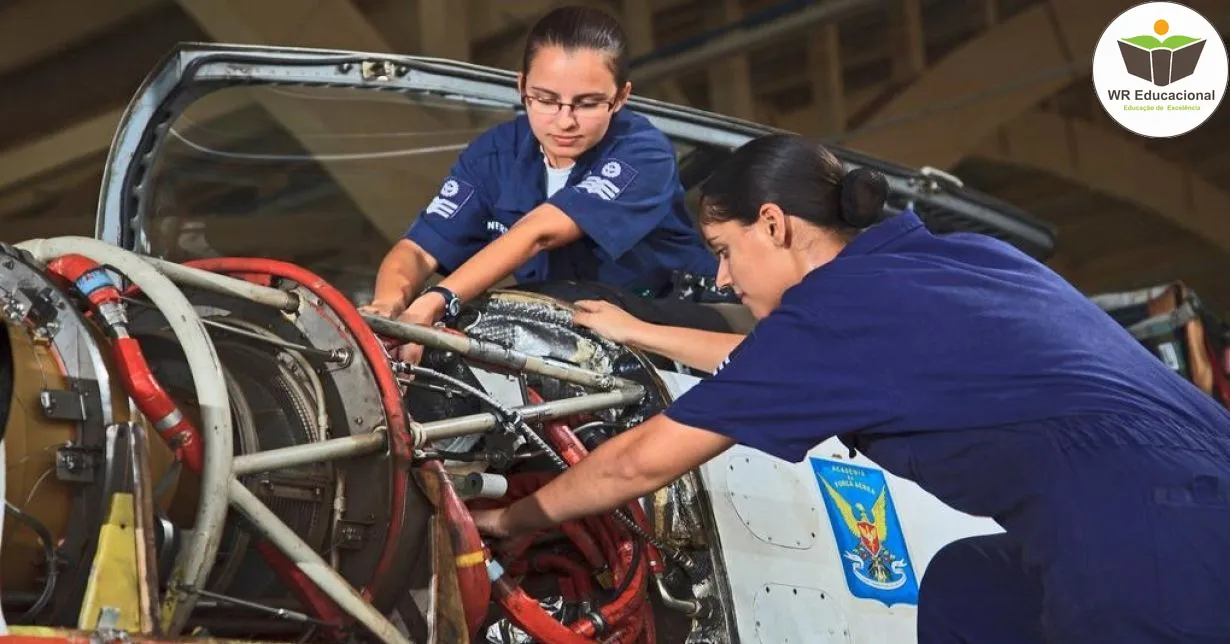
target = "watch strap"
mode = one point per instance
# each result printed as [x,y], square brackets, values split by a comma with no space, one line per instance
[452,303]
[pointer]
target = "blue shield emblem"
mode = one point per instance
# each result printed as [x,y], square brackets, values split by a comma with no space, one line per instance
[869,540]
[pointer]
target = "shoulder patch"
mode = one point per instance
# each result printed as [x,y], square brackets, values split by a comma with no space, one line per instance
[608,179]
[453,195]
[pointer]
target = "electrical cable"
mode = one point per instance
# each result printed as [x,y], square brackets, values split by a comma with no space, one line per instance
[49,555]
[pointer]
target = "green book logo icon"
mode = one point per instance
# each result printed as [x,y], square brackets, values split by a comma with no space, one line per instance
[1161,61]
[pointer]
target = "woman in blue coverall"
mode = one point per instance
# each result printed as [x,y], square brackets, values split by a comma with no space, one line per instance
[577,188]
[956,362]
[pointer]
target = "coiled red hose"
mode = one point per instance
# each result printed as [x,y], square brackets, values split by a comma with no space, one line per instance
[629,615]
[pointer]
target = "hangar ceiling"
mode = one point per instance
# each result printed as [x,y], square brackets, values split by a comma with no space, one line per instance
[995,91]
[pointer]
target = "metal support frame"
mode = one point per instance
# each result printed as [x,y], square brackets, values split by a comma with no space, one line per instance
[224,284]
[479,350]
[463,425]
[329,450]
[496,354]
[312,565]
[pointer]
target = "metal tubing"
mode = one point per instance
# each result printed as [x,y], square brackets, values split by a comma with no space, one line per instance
[476,423]
[310,563]
[225,284]
[328,355]
[493,353]
[329,450]
[689,607]
[738,41]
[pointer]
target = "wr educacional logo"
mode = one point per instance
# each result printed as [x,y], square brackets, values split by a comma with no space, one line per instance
[1161,62]
[1160,45]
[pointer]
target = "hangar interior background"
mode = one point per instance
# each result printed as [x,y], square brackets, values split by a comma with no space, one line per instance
[996,92]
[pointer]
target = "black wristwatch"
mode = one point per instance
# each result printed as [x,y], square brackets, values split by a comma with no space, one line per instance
[452,303]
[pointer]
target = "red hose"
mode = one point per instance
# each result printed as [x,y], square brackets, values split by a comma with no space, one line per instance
[468,550]
[386,381]
[153,401]
[649,633]
[585,543]
[573,451]
[626,613]
[528,615]
[92,281]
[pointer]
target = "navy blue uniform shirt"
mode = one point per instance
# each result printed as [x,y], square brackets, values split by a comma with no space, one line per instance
[963,365]
[908,332]
[946,359]
[624,194]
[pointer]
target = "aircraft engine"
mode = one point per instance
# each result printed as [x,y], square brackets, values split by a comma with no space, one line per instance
[226,447]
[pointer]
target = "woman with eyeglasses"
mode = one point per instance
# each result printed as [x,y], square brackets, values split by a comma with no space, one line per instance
[575,189]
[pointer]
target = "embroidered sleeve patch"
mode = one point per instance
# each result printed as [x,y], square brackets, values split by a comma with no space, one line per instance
[608,179]
[453,196]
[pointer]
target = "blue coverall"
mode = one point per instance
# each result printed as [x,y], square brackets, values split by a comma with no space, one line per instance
[959,363]
[624,194]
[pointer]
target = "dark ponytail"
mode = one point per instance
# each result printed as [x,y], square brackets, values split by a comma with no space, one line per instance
[580,28]
[803,178]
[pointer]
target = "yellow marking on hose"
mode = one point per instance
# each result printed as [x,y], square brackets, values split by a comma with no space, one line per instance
[475,558]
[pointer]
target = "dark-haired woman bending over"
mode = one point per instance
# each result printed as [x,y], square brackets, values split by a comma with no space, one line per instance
[575,189]
[961,364]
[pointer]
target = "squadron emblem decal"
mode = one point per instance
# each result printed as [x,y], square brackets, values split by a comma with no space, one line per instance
[868,532]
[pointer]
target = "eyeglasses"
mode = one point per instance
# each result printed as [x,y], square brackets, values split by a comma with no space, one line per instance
[584,109]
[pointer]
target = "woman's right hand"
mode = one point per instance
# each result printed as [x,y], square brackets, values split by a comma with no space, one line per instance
[608,321]
[382,309]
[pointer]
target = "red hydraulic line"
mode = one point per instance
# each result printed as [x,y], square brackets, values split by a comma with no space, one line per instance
[528,615]
[171,424]
[571,448]
[622,608]
[630,601]
[585,543]
[650,632]
[624,612]
[468,549]
[156,404]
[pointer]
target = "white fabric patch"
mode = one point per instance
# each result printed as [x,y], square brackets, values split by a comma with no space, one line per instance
[609,181]
[454,193]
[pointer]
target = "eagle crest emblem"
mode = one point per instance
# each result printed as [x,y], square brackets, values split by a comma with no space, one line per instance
[867,531]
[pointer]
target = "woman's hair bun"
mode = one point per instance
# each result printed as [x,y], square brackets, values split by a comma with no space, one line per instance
[863,195]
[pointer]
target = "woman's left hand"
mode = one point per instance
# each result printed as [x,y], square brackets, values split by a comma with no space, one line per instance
[608,321]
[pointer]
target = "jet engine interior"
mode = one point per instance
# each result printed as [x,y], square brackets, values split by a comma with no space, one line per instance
[226,448]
